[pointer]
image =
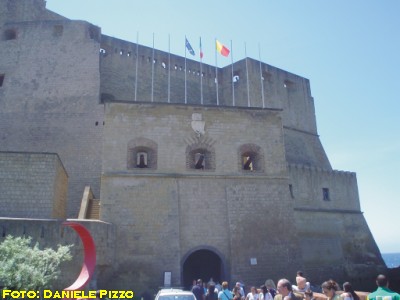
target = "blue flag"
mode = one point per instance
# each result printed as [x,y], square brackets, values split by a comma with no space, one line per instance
[189,47]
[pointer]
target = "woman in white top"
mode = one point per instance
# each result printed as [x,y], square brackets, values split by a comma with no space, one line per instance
[253,295]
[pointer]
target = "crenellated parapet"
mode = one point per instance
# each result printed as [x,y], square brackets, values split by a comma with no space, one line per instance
[317,169]
[133,72]
[318,188]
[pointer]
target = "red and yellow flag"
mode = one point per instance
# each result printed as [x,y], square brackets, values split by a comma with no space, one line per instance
[222,49]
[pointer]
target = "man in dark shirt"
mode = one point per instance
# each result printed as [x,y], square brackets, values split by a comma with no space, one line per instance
[198,290]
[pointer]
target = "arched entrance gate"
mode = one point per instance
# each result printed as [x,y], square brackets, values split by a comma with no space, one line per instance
[203,264]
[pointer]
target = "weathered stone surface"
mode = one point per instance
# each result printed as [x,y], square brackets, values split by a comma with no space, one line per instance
[33,185]
[100,103]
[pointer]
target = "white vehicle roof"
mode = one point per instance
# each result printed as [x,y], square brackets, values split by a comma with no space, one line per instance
[174,294]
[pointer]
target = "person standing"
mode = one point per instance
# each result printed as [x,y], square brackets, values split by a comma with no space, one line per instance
[212,293]
[240,288]
[265,294]
[302,285]
[383,291]
[329,288]
[198,290]
[236,294]
[285,291]
[348,292]
[225,294]
[253,295]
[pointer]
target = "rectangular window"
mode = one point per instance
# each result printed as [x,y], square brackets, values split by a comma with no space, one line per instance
[325,194]
[1,79]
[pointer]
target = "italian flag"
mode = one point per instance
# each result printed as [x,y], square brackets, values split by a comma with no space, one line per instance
[224,51]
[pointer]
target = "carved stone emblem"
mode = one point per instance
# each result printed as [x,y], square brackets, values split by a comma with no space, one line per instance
[198,124]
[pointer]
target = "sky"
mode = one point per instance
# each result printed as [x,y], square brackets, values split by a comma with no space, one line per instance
[349,50]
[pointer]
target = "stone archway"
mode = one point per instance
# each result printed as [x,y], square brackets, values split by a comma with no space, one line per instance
[204,264]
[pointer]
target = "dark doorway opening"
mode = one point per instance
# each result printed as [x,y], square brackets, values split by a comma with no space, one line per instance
[202,264]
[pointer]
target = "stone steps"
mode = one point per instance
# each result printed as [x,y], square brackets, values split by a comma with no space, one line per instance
[93,210]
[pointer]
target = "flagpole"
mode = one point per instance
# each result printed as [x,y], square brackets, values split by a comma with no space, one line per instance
[137,61]
[216,70]
[247,75]
[233,83]
[201,73]
[152,73]
[169,69]
[261,77]
[185,73]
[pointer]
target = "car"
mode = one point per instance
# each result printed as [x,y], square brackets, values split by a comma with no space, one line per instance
[174,294]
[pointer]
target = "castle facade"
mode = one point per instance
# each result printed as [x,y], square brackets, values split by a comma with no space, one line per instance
[198,172]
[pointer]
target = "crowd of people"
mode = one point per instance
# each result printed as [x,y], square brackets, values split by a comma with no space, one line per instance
[284,290]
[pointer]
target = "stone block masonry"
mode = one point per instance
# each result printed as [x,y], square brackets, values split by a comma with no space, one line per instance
[33,185]
[244,183]
[50,97]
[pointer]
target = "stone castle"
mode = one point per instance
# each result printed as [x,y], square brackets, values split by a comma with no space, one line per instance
[209,173]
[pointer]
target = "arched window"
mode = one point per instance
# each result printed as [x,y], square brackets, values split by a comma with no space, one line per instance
[142,154]
[200,157]
[251,158]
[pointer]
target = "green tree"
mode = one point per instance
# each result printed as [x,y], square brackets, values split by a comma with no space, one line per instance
[26,267]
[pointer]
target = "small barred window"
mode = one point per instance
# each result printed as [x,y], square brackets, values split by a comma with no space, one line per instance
[200,157]
[142,154]
[251,158]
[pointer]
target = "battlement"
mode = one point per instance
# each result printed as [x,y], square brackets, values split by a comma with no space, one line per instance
[323,189]
[322,170]
[133,72]
[25,10]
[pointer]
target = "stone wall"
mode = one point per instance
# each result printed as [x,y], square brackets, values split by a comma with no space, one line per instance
[333,233]
[25,10]
[33,185]
[339,245]
[164,214]
[50,98]
[305,148]
[58,93]
[53,79]
[308,184]
[121,60]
